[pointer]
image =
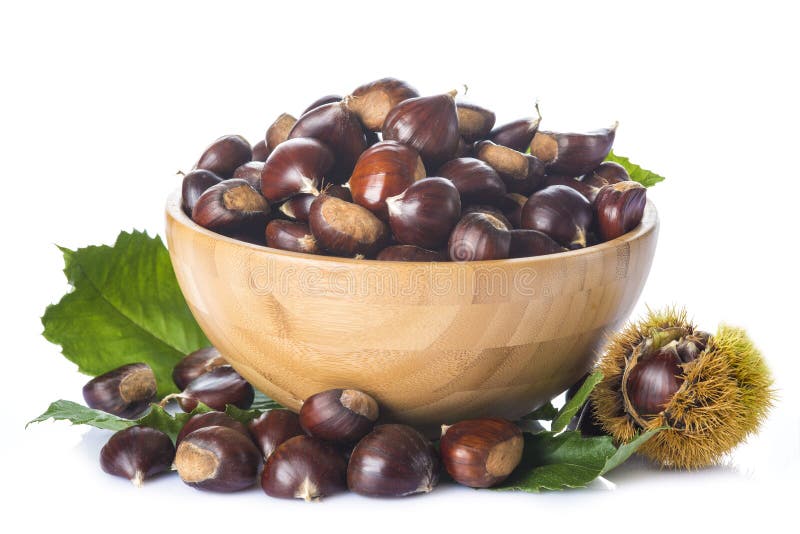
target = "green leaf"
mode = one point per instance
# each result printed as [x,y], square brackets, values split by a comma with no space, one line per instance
[125,307]
[637,173]
[64,410]
[626,451]
[568,411]
[263,403]
[545,412]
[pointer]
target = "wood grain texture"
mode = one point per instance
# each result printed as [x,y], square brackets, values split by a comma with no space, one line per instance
[432,342]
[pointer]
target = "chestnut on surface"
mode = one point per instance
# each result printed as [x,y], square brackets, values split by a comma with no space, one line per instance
[425,214]
[126,391]
[260,151]
[295,166]
[587,190]
[479,236]
[608,172]
[529,243]
[481,453]
[474,122]
[216,389]
[251,172]
[476,180]
[304,468]
[195,364]
[217,458]
[231,206]
[137,453]
[373,101]
[272,428]
[511,206]
[573,154]
[292,236]
[321,101]
[297,207]
[203,420]
[225,154]
[344,415]
[522,173]
[410,253]
[194,184]
[516,135]
[393,461]
[619,208]
[278,131]
[346,229]
[560,212]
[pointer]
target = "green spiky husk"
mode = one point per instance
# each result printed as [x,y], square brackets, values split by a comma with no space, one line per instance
[725,397]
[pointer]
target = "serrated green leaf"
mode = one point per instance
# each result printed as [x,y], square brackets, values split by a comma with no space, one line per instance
[637,173]
[125,307]
[626,451]
[568,411]
[77,414]
[545,412]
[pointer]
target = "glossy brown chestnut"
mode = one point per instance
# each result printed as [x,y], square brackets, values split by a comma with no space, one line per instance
[479,236]
[126,391]
[216,389]
[251,172]
[321,101]
[291,235]
[224,155]
[560,212]
[137,453]
[608,172]
[652,382]
[297,207]
[511,205]
[495,212]
[195,364]
[203,420]
[529,243]
[384,170]
[522,173]
[295,166]
[481,453]
[272,428]
[304,468]
[425,213]
[429,124]
[340,130]
[344,415]
[516,135]
[346,229]
[410,253]
[572,154]
[194,184]
[619,208]
[373,101]
[231,206]
[587,190]
[218,458]
[260,151]
[278,131]
[474,122]
[476,180]
[339,191]
[393,461]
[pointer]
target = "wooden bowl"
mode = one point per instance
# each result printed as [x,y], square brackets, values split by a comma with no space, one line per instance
[432,342]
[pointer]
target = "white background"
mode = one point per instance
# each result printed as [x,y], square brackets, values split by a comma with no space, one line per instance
[102,103]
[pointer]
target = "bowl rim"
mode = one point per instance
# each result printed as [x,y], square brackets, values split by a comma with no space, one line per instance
[649,224]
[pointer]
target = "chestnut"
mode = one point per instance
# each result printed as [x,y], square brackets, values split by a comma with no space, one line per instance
[587,190]
[481,453]
[474,122]
[126,391]
[217,458]
[573,154]
[393,461]
[297,207]
[608,172]
[231,206]
[344,415]
[339,191]
[690,347]
[491,210]
[619,208]
[429,124]
[225,154]
[272,428]
[425,214]
[511,206]
[260,151]
[373,101]
[528,243]
[195,364]
[203,420]
[560,212]
[479,236]
[304,468]
[194,184]
[522,173]
[464,150]
[216,389]
[292,236]
[295,166]
[409,253]
[278,131]
[321,101]
[516,135]
[250,172]
[384,170]
[476,180]
[653,381]
[346,229]
[338,128]
[137,453]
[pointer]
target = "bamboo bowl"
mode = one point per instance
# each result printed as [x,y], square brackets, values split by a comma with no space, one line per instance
[432,342]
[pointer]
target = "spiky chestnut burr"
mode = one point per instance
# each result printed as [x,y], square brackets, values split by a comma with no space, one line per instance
[708,392]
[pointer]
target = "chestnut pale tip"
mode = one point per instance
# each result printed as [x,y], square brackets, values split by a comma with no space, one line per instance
[359,403]
[308,491]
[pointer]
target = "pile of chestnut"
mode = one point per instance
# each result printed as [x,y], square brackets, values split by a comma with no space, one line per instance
[332,445]
[386,173]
